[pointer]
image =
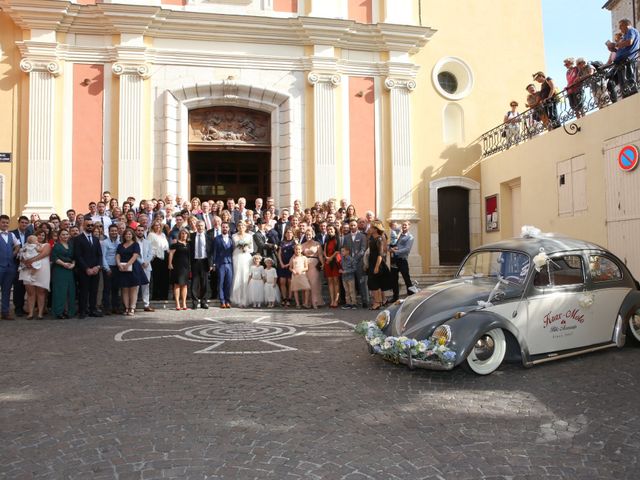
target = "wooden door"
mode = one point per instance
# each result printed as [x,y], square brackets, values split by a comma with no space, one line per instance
[453,224]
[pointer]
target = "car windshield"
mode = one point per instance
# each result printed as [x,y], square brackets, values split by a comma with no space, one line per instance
[511,266]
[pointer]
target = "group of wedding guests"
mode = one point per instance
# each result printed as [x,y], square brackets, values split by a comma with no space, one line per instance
[102,261]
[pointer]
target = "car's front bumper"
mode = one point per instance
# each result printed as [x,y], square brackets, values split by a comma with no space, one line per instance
[414,362]
[414,353]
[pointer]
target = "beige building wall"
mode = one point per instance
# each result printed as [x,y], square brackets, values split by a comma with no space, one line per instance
[535,166]
[490,42]
[10,76]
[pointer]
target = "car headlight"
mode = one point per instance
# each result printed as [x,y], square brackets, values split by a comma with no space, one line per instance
[382,319]
[442,334]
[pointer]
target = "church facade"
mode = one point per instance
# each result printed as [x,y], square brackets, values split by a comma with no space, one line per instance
[375,101]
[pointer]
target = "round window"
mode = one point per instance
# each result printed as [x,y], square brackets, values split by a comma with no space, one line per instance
[448,82]
[452,78]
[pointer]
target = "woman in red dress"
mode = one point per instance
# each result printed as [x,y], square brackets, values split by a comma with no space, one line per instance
[332,265]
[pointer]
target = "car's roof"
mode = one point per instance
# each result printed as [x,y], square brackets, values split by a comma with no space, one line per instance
[551,243]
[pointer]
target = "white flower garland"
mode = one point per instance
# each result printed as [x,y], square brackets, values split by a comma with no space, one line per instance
[400,347]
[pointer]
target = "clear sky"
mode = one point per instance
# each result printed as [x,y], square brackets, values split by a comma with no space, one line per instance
[574,28]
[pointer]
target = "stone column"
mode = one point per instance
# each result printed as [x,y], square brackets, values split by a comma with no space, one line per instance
[401,168]
[324,121]
[41,154]
[131,128]
[402,207]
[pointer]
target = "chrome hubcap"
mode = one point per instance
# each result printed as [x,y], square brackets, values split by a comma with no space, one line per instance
[484,348]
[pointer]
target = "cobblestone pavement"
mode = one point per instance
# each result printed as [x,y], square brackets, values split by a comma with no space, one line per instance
[294,395]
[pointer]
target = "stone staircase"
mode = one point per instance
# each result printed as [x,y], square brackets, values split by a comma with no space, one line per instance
[436,274]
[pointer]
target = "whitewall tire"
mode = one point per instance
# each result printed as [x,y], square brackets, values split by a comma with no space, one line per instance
[488,352]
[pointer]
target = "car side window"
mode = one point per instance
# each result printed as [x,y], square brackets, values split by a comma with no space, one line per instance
[603,269]
[565,270]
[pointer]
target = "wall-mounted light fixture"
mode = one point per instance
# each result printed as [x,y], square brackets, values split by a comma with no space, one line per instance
[360,94]
[86,82]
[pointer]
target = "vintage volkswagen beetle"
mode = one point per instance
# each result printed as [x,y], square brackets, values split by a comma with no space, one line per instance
[537,298]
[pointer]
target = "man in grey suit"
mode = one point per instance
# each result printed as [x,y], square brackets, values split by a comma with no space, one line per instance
[357,243]
[400,253]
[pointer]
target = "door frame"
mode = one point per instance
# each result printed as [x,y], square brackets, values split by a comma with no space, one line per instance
[220,149]
[475,233]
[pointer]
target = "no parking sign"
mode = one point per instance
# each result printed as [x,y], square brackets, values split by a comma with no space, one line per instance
[628,158]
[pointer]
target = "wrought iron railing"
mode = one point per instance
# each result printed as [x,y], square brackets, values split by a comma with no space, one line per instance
[594,92]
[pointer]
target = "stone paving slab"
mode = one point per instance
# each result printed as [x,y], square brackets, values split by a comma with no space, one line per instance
[275,394]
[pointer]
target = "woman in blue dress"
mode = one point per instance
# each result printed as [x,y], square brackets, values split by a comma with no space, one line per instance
[285,252]
[130,273]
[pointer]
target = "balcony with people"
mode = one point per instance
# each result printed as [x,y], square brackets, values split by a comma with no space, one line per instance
[591,86]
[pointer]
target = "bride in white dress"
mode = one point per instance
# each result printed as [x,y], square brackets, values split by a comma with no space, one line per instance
[242,253]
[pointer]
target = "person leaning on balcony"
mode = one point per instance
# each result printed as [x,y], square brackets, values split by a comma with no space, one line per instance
[625,62]
[574,87]
[512,123]
[585,70]
[533,102]
[547,94]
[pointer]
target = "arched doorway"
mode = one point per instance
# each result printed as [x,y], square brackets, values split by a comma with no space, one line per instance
[229,153]
[453,224]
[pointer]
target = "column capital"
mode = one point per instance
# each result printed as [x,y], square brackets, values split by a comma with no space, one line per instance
[332,78]
[400,83]
[140,69]
[28,65]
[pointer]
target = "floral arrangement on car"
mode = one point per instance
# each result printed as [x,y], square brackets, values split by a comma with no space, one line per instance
[242,245]
[394,347]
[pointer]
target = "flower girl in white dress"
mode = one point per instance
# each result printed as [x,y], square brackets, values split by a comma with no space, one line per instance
[270,283]
[256,282]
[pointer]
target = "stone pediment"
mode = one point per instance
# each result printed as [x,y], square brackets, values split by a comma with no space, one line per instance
[229,126]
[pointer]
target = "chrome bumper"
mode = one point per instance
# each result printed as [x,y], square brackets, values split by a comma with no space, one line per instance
[414,363]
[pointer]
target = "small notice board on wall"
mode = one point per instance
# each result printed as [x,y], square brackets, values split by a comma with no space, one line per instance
[491,213]
[5,157]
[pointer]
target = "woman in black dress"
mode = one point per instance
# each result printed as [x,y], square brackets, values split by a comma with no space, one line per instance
[179,266]
[377,271]
[130,273]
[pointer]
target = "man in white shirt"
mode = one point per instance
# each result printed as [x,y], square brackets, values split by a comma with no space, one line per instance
[206,216]
[258,207]
[200,248]
[110,290]
[101,216]
[145,260]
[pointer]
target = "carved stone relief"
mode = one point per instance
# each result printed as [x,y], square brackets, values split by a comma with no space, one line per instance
[229,125]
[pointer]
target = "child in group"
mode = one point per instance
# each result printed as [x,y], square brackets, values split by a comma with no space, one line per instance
[270,276]
[299,281]
[30,249]
[348,273]
[256,282]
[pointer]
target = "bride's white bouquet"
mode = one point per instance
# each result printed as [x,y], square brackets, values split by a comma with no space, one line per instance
[242,245]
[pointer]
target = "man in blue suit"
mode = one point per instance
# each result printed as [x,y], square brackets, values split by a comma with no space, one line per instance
[9,246]
[88,256]
[222,261]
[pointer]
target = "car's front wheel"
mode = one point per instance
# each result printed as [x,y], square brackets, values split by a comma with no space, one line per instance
[487,353]
[634,327]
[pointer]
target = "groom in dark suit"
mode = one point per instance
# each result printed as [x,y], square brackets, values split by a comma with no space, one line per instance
[223,263]
[88,256]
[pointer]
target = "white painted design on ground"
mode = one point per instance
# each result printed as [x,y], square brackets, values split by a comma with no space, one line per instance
[237,336]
